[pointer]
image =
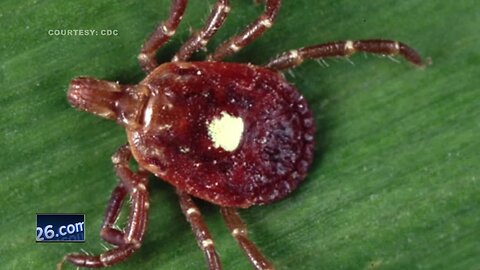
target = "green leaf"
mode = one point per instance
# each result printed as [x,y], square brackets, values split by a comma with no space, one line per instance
[395,183]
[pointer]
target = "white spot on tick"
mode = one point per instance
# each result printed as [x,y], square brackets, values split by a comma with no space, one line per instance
[103,260]
[142,186]
[349,48]
[184,149]
[238,231]
[191,211]
[142,57]
[234,47]
[115,159]
[207,242]
[203,42]
[226,131]
[396,47]
[167,31]
[266,22]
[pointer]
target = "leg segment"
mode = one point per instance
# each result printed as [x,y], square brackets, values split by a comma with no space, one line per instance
[130,239]
[109,232]
[238,229]
[200,39]
[249,34]
[294,58]
[204,240]
[162,34]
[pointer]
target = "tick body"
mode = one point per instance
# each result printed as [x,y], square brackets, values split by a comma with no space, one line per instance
[232,134]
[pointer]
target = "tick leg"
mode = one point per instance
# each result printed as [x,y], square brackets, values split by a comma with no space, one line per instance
[109,232]
[129,181]
[130,239]
[162,34]
[238,229]
[249,34]
[200,39]
[204,240]
[294,58]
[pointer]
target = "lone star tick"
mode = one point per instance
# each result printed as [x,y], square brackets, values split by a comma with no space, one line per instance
[232,134]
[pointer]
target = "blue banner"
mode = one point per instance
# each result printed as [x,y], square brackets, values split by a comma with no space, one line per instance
[60,228]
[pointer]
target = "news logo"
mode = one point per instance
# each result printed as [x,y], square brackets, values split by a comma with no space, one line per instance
[60,228]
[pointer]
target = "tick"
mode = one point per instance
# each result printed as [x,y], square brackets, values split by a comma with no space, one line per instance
[233,134]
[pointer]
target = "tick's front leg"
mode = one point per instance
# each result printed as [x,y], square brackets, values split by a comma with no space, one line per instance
[200,39]
[128,240]
[162,34]
[253,31]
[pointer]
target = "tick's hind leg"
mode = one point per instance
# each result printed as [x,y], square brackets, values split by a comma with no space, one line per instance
[294,58]
[204,240]
[250,33]
[238,229]
[128,240]
[200,38]
[162,34]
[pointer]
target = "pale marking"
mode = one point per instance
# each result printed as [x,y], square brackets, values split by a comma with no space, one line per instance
[142,186]
[226,9]
[295,56]
[175,59]
[287,186]
[164,127]
[349,46]
[191,211]
[147,116]
[397,47]
[184,149]
[203,42]
[226,131]
[184,65]
[238,231]
[207,242]
[105,113]
[102,259]
[266,22]
[143,57]
[115,159]
[114,87]
[136,243]
[147,205]
[234,47]
[167,31]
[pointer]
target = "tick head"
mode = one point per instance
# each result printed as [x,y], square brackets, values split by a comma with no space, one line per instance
[94,96]
[107,99]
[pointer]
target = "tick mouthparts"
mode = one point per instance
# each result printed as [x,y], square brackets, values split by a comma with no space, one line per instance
[94,96]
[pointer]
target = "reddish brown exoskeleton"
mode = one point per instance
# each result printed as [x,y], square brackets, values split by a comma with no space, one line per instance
[232,134]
